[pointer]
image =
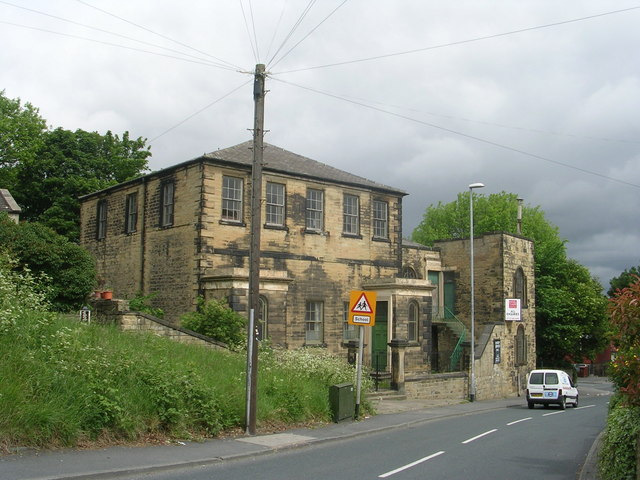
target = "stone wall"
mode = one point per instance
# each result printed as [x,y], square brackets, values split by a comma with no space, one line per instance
[444,386]
[116,312]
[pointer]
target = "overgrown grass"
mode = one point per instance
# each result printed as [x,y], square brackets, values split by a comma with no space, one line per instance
[64,383]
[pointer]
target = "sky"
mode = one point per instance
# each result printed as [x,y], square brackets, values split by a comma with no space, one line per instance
[422,95]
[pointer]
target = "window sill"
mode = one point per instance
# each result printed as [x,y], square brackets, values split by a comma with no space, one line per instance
[355,236]
[269,226]
[380,239]
[232,223]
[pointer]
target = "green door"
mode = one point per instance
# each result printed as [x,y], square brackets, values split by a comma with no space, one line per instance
[449,294]
[379,338]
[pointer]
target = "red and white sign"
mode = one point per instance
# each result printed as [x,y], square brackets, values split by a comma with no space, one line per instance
[512,311]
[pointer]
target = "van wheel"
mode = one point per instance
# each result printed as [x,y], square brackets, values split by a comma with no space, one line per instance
[575,405]
[563,402]
[531,405]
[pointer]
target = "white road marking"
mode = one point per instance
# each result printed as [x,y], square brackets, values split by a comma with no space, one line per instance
[553,413]
[413,464]
[480,436]
[521,420]
[585,406]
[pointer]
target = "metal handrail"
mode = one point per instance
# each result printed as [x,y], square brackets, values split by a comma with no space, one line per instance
[459,329]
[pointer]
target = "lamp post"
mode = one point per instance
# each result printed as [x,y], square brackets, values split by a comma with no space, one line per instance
[472,389]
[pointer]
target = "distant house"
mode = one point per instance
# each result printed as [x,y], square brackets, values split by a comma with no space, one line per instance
[184,232]
[9,205]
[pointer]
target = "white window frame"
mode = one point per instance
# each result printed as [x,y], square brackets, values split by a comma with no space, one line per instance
[351,214]
[275,204]
[232,196]
[314,322]
[314,211]
[380,219]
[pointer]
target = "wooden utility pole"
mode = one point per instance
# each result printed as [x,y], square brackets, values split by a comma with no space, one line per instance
[254,251]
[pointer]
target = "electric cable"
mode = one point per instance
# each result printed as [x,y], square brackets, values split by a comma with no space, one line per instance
[184,120]
[460,42]
[465,135]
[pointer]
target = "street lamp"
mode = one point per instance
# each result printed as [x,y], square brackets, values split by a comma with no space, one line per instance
[472,389]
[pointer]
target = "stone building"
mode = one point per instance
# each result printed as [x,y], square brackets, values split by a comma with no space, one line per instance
[184,232]
[9,205]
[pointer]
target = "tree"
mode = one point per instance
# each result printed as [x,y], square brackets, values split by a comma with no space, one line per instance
[625,279]
[69,267]
[71,164]
[625,317]
[21,132]
[570,310]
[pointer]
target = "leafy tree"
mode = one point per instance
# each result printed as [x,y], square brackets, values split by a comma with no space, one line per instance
[216,320]
[69,165]
[570,310]
[21,132]
[69,268]
[625,317]
[625,279]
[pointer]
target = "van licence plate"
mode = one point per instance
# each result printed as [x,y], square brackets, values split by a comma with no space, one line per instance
[536,394]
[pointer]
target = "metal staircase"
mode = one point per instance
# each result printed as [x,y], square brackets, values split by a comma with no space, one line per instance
[445,316]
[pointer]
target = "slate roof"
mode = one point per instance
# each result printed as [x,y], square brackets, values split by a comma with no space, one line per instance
[7,203]
[279,160]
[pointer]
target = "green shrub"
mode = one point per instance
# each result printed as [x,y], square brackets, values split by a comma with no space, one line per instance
[618,453]
[216,320]
[142,303]
[69,267]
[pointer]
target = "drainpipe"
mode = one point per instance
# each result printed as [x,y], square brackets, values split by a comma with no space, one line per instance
[143,234]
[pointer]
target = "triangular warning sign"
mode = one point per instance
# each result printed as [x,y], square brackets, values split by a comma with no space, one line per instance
[362,305]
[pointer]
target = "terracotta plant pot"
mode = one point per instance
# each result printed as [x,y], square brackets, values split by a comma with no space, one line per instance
[107,295]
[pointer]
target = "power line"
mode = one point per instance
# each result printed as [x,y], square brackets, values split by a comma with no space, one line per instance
[461,42]
[233,66]
[310,32]
[207,63]
[200,111]
[254,47]
[479,122]
[275,31]
[461,134]
[304,13]
[109,32]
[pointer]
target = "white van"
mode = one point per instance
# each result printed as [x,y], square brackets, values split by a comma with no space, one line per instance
[549,387]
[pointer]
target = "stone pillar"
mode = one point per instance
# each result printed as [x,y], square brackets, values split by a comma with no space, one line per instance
[398,347]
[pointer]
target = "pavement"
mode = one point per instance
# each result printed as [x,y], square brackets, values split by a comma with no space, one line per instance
[28,464]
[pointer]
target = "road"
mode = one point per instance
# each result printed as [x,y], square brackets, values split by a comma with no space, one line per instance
[507,443]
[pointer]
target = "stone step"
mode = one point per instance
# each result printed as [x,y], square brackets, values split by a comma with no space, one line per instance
[385,395]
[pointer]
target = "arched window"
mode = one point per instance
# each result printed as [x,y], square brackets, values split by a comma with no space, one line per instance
[521,346]
[263,314]
[409,272]
[520,286]
[413,322]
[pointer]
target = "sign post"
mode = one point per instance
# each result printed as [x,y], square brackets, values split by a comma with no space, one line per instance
[362,311]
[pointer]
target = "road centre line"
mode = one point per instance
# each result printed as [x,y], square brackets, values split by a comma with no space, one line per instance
[518,421]
[409,465]
[585,406]
[553,413]
[479,436]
